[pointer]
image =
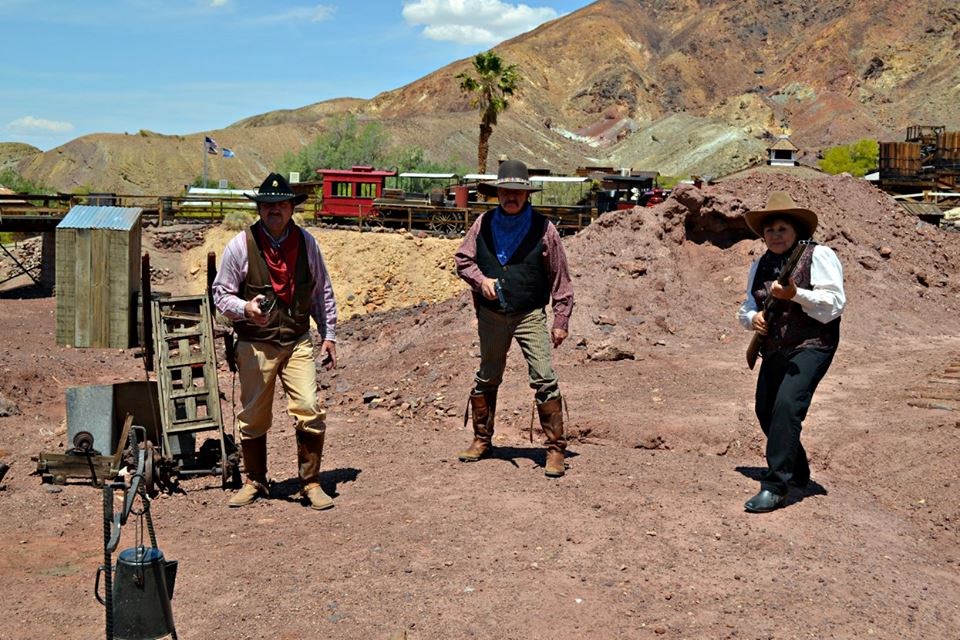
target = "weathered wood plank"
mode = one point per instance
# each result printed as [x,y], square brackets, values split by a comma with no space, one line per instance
[84,301]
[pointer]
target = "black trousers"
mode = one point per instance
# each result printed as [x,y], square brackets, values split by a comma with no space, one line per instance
[785,388]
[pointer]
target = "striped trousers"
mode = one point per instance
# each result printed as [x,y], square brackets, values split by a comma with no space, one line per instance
[497,331]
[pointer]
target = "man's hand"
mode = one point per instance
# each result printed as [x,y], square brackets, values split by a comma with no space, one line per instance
[558,336]
[784,293]
[489,288]
[328,355]
[252,313]
[760,323]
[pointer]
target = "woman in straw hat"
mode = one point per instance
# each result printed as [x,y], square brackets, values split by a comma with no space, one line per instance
[800,333]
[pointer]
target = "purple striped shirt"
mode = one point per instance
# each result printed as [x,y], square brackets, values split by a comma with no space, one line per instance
[561,290]
[233,271]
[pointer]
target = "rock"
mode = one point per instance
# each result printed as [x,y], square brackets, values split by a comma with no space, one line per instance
[605,320]
[370,396]
[8,408]
[886,252]
[651,442]
[610,353]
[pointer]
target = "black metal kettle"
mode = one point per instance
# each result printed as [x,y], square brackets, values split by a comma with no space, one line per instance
[143,582]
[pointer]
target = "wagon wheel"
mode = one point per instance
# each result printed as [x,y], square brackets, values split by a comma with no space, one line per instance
[445,222]
[372,220]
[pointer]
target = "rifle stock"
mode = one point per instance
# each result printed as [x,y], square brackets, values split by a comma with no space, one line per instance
[753,349]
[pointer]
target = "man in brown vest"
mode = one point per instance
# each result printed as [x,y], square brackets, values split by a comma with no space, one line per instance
[272,280]
[513,261]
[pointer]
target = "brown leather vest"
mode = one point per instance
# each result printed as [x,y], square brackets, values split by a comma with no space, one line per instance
[287,322]
[789,327]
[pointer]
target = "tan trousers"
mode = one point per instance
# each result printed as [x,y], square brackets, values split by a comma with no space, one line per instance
[259,365]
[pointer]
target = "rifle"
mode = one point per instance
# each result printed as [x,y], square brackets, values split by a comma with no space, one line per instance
[753,349]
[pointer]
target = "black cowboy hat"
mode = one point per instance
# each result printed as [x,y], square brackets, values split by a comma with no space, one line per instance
[512,174]
[782,205]
[276,189]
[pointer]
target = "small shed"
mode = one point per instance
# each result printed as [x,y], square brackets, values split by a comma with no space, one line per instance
[98,276]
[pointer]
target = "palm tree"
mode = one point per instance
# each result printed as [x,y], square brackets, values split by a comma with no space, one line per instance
[494,81]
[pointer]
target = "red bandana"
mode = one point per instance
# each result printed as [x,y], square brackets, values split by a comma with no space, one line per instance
[282,262]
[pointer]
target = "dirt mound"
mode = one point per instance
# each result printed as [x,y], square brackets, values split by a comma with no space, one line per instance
[370,271]
[673,276]
[680,268]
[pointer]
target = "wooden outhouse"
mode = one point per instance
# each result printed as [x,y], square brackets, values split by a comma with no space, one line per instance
[98,276]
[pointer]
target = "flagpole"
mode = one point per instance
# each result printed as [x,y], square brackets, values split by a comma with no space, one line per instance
[205,154]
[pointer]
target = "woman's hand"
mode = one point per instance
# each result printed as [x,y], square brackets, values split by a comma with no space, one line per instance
[784,293]
[760,323]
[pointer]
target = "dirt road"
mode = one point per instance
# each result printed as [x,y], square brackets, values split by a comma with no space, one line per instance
[645,537]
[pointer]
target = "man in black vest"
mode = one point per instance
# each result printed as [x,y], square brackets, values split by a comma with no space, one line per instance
[271,281]
[513,260]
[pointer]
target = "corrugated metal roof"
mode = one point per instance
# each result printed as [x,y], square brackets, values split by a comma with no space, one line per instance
[87,217]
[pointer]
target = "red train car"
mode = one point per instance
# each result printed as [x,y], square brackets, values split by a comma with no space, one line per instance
[351,192]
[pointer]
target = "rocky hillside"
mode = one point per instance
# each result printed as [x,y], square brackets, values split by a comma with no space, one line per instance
[680,86]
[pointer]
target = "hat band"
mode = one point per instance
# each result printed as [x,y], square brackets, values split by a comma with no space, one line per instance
[512,180]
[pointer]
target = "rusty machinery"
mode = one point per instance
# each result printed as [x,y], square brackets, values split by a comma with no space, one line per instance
[180,403]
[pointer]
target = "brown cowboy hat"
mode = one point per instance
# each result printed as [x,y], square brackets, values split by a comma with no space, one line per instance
[275,188]
[781,204]
[512,174]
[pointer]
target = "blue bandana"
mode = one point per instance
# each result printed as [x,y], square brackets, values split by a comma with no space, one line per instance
[509,231]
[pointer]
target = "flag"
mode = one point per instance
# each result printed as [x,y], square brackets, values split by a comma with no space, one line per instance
[227,153]
[211,145]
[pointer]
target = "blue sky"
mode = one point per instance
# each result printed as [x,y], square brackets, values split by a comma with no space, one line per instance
[75,67]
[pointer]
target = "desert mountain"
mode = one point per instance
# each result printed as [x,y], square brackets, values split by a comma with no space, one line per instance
[679,86]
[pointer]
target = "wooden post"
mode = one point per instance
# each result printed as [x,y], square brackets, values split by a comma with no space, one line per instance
[147,313]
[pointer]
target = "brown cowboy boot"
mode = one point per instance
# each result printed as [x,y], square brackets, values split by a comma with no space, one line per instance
[254,453]
[484,408]
[309,452]
[551,420]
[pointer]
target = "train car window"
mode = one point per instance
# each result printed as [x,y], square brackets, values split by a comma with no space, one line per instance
[342,189]
[367,190]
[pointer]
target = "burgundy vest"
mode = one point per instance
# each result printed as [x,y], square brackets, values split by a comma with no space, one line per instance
[789,327]
[287,322]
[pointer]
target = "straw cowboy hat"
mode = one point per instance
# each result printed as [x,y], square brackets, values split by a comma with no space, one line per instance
[276,189]
[782,205]
[512,174]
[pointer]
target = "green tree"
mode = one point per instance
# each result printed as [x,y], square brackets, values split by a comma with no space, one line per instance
[856,159]
[210,183]
[347,142]
[489,87]
[15,182]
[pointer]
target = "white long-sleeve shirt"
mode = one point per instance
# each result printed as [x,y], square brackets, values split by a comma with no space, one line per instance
[823,302]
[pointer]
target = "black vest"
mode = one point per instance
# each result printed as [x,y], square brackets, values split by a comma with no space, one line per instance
[525,279]
[789,327]
[287,322]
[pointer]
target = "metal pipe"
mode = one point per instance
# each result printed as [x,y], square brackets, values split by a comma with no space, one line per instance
[107,569]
